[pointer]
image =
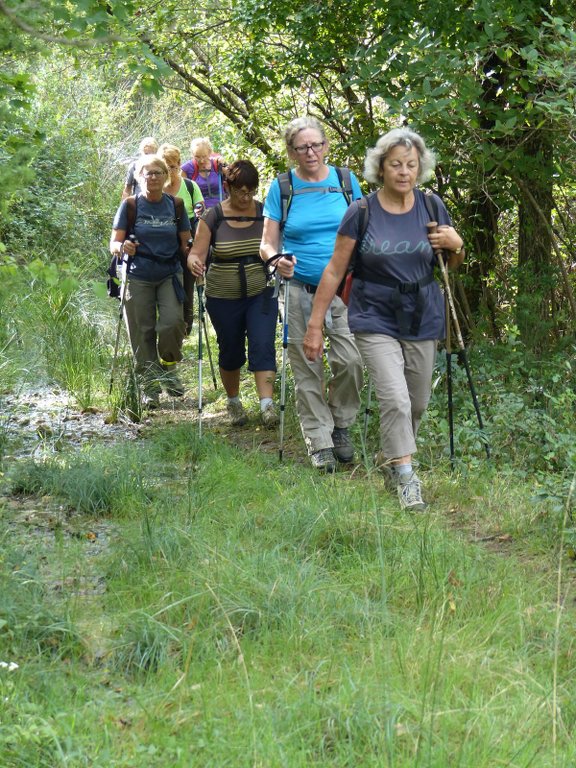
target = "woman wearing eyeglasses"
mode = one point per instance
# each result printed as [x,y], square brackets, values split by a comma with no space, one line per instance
[238,299]
[317,203]
[154,290]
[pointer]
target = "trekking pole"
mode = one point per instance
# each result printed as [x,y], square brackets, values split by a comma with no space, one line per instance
[288,256]
[200,290]
[367,410]
[432,226]
[449,383]
[209,351]
[123,282]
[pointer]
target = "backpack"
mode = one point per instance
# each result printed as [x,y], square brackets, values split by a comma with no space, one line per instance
[287,190]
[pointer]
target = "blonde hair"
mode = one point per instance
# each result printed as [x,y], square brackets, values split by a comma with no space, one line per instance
[398,137]
[201,141]
[170,153]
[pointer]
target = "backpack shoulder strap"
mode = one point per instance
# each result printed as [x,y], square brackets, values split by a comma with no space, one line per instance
[131,212]
[363,219]
[431,202]
[190,187]
[195,168]
[286,190]
[178,207]
[218,219]
[345,179]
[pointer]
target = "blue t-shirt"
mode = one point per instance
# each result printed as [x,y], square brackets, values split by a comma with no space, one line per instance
[395,246]
[156,229]
[312,223]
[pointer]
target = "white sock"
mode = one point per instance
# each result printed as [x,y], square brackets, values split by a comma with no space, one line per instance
[234,399]
[403,469]
[265,402]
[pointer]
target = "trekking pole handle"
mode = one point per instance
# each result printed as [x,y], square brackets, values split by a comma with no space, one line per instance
[126,256]
[432,226]
[288,257]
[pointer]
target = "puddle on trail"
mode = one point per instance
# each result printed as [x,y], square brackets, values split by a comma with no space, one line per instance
[46,420]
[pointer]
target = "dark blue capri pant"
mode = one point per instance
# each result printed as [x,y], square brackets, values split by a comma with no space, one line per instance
[236,320]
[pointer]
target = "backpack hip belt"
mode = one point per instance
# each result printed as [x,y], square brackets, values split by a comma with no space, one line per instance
[409,325]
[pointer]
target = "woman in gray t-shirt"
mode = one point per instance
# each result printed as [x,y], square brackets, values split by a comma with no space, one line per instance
[396,309]
[154,290]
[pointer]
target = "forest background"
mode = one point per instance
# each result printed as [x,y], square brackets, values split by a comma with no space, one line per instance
[491,85]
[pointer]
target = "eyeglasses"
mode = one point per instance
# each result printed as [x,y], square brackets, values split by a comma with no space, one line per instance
[153,174]
[246,193]
[303,149]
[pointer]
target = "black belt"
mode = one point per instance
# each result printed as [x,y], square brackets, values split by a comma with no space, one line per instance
[238,260]
[309,288]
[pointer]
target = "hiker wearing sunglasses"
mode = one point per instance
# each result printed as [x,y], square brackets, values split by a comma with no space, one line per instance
[396,308]
[301,216]
[154,294]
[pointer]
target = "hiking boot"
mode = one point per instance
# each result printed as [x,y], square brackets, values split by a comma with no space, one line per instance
[324,460]
[236,413]
[410,493]
[387,470]
[171,383]
[343,447]
[151,401]
[270,416]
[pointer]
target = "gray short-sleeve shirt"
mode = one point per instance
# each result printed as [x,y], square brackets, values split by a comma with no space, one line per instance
[394,247]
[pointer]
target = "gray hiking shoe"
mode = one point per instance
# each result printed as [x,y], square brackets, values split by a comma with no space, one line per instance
[410,493]
[324,460]
[270,416]
[343,446]
[236,413]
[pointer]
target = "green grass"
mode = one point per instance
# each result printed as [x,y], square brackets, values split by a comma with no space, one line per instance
[178,602]
[256,614]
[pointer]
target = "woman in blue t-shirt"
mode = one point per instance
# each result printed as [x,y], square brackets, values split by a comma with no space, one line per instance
[318,201]
[396,309]
[154,290]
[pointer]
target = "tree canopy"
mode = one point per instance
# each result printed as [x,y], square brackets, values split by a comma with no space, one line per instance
[490,84]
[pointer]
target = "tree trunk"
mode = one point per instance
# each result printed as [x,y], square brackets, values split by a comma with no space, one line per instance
[536,273]
[482,213]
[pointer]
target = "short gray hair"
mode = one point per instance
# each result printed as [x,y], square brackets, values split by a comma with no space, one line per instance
[148,141]
[398,137]
[300,124]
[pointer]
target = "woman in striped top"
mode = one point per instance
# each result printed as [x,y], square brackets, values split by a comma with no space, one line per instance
[238,298]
